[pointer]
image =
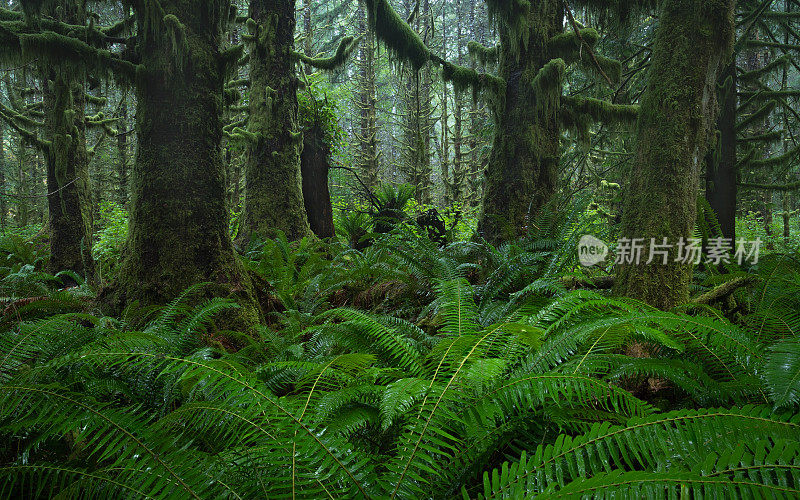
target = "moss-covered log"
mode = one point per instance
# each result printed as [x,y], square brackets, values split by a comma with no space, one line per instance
[693,43]
[273,189]
[178,233]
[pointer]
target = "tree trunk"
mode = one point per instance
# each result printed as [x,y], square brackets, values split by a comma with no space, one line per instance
[721,176]
[69,199]
[122,151]
[367,135]
[693,43]
[3,188]
[315,164]
[273,188]
[523,167]
[178,232]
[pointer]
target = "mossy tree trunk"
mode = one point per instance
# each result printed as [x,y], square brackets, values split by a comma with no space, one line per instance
[678,111]
[178,232]
[69,199]
[523,167]
[273,188]
[122,152]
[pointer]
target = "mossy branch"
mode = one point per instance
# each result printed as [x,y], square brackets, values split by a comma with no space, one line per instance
[27,135]
[792,186]
[777,64]
[96,100]
[391,29]
[773,45]
[343,51]
[779,160]
[484,55]
[578,114]
[760,114]
[464,78]
[773,136]
[56,49]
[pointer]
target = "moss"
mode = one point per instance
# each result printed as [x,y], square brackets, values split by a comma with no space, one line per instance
[692,46]
[395,33]
[484,55]
[578,114]
[345,48]
[778,64]
[757,115]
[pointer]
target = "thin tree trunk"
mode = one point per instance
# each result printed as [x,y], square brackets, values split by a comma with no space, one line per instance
[721,182]
[69,200]
[315,164]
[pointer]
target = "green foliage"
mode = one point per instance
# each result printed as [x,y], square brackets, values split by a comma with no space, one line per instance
[111,236]
[404,370]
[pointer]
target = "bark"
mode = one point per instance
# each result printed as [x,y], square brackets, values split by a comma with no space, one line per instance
[315,164]
[522,171]
[273,188]
[69,199]
[692,44]
[122,153]
[178,231]
[721,181]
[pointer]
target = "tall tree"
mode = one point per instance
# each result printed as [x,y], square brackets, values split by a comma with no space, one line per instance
[692,44]
[273,186]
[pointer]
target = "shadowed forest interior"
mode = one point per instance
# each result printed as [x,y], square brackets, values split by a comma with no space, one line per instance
[399,249]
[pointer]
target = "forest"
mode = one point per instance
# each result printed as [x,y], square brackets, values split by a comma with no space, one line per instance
[399,249]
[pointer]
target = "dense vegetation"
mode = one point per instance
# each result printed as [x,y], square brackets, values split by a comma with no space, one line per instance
[280,249]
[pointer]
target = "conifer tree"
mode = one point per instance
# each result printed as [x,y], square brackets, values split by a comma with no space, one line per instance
[692,45]
[60,137]
[273,186]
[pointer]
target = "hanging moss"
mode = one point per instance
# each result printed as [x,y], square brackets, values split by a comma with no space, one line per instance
[55,48]
[484,55]
[578,114]
[402,41]
[512,15]
[547,88]
[345,48]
